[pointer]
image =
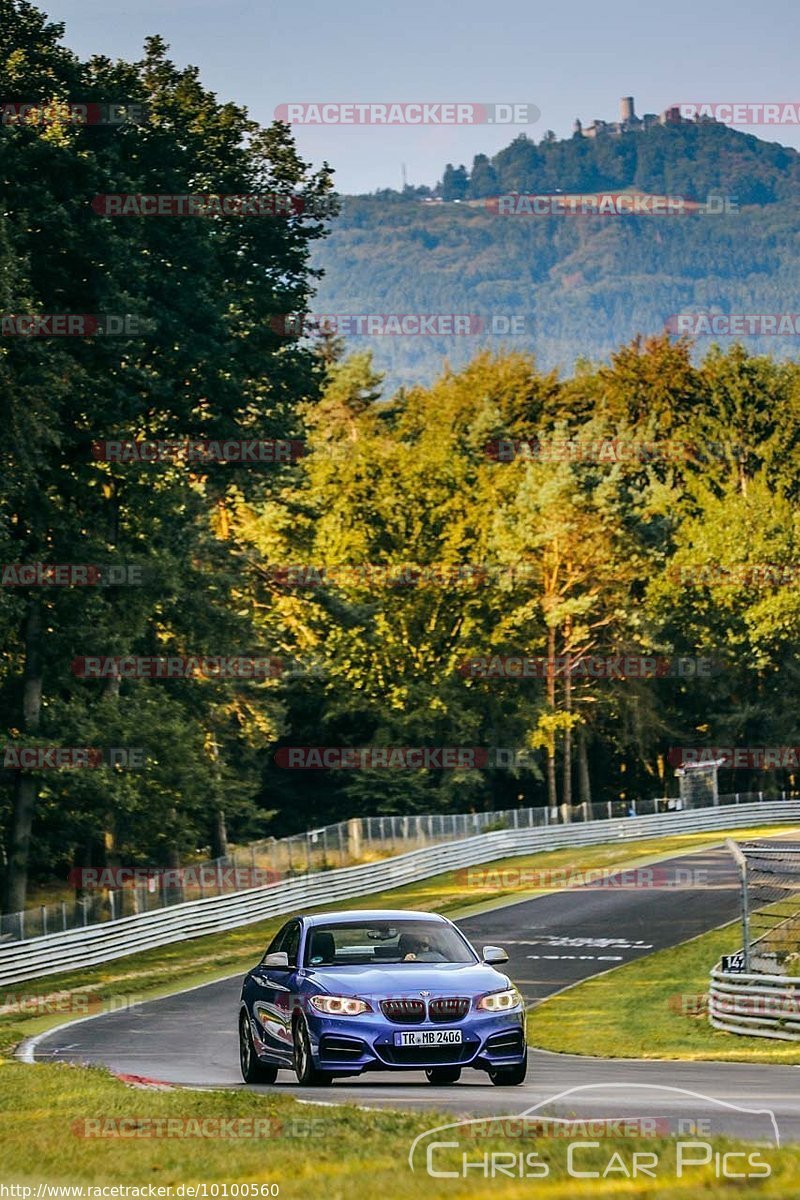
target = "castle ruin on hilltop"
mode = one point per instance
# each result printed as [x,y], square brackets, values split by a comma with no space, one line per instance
[628,121]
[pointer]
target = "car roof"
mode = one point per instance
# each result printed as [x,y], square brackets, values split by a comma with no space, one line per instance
[372,914]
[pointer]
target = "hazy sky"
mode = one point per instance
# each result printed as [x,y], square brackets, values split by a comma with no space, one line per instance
[568,57]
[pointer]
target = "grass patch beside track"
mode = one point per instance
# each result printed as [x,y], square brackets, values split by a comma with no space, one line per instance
[149,974]
[338,1152]
[652,1008]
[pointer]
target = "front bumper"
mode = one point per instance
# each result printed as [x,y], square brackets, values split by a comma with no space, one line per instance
[351,1045]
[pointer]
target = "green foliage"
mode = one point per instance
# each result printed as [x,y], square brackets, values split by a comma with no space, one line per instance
[580,558]
[208,365]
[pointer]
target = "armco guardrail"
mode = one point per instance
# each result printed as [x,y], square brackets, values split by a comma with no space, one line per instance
[757,1005]
[100,896]
[77,948]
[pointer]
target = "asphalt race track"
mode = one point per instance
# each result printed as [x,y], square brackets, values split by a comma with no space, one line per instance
[552,941]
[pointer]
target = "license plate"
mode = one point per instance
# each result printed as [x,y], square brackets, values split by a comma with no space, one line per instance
[428,1037]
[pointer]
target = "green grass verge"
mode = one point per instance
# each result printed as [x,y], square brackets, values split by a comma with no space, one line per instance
[652,1008]
[36,1005]
[342,1153]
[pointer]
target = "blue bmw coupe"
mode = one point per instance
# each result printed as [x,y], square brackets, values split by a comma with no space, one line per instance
[342,993]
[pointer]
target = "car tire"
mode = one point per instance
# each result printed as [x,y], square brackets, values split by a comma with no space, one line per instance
[253,1071]
[509,1076]
[443,1075]
[307,1074]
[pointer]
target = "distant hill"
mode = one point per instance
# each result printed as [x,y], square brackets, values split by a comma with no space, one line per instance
[583,284]
[691,158]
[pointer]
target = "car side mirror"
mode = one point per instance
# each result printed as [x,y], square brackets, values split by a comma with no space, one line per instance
[279,959]
[494,954]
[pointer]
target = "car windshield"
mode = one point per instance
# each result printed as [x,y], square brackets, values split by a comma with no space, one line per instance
[377,943]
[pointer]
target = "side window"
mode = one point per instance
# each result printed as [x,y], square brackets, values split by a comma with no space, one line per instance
[277,941]
[292,944]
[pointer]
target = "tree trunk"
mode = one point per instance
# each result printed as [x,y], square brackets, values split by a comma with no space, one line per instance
[552,793]
[567,794]
[26,787]
[219,832]
[584,779]
[219,848]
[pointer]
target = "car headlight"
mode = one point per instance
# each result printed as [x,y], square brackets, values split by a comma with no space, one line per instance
[500,1001]
[339,1006]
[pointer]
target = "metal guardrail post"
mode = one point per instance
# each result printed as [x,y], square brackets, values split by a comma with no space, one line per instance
[741,863]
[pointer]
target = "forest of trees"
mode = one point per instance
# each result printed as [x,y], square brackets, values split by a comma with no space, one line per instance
[687,159]
[582,285]
[205,363]
[582,556]
[572,557]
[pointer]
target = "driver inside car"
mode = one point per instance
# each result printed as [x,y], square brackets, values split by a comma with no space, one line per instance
[419,947]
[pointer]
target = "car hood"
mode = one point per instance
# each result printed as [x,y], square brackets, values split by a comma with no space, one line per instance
[440,979]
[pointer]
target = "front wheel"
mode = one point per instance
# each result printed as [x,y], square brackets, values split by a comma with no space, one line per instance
[253,1071]
[442,1075]
[307,1074]
[509,1076]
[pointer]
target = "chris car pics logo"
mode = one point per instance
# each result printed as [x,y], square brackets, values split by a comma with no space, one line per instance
[624,1147]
